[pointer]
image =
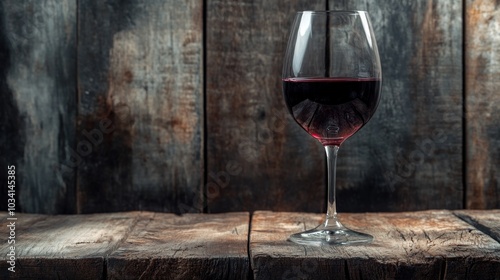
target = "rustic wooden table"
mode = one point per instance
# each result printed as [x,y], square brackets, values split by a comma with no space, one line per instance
[436,244]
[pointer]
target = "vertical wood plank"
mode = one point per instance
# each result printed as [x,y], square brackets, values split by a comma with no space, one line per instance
[482,62]
[140,88]
[409,156]
[37,88]
[257,156]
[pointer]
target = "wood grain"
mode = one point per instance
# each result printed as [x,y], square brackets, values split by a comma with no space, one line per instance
[38,108]
[191,246]
[409,157]
[486,221]
[411,245]
[127,113]
[140,88]
[65,246]
[257,156]
[436,244]
[482,62]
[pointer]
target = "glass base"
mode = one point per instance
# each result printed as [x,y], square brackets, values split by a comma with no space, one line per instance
[322,235]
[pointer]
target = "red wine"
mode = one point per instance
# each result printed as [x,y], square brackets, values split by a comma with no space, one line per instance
[331,109]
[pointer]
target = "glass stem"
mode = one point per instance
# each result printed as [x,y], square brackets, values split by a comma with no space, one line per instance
[331,220]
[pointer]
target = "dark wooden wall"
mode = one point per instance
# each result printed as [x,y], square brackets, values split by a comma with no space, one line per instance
[176,106]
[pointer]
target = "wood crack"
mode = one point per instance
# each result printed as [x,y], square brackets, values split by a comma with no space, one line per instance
[125,236]
[443,269]
[151,261]
[479,226]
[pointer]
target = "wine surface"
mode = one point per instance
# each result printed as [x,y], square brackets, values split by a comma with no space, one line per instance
[331,109]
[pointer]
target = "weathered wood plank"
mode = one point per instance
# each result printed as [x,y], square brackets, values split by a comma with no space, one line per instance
[486,221]
[140,125]
[38,107]
[257,156]
[191,246]
[482,62]
[409,157]
[64,247]
[133,245]
[411,245]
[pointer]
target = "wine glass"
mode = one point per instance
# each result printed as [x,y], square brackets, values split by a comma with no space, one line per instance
[331,84]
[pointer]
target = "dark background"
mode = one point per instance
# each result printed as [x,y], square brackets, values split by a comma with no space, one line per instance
[176,106]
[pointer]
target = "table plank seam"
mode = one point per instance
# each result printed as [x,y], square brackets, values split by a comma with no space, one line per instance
[122,240]
[477,225]
[118,244]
